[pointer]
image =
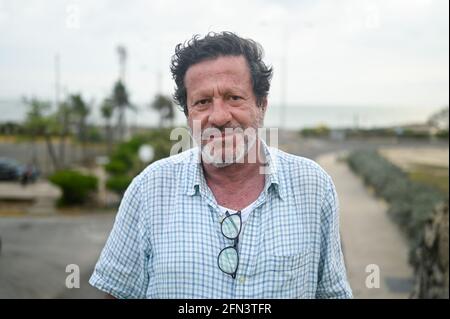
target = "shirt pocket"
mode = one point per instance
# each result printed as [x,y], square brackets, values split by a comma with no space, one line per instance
[284,276]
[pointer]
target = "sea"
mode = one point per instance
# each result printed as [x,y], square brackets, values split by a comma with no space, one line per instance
[289,117]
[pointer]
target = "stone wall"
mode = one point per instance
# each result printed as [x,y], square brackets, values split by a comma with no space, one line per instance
[431,258]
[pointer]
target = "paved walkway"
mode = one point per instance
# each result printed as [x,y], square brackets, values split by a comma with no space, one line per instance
[32,191]
[369,236]
[37,198]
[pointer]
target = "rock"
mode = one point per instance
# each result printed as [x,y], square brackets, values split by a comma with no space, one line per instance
[432,257]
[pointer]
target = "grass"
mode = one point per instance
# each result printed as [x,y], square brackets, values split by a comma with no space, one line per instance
[13,208]
[434,176]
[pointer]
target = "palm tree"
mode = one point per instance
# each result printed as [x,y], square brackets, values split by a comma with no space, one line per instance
[120,102]
[80,109]
[164,105]
[38,124]
[107,110]
[63,114]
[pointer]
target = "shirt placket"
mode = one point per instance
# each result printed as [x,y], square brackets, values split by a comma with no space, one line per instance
[217,218]
[250,243]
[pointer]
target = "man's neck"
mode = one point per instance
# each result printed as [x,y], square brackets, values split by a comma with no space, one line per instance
[237,185]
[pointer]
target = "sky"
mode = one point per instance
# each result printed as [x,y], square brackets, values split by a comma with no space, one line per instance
[328,52]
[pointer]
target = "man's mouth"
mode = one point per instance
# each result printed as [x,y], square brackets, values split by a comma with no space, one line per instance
[226,134]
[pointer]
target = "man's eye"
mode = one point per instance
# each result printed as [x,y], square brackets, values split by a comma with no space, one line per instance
[235,97]
[201,102]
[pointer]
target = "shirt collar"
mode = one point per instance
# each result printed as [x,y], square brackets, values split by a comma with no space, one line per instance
[195,181]
[272,166]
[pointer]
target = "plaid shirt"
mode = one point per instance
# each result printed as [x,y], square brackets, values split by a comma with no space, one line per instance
[167,237]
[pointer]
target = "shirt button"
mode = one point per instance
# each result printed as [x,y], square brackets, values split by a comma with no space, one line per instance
[242,279]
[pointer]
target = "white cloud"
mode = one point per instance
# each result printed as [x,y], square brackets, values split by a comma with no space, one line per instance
[356,52]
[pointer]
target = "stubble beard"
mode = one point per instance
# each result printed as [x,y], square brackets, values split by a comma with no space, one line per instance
[218,155]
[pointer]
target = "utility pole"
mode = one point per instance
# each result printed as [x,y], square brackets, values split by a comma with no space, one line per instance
[57,79]
[122,52]
[283,92]
[61,111]
[284,70]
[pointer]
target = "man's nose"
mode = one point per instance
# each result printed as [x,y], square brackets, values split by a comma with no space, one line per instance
[220,114]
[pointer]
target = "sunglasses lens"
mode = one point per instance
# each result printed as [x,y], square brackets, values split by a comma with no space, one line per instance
[228,260]
[231,226]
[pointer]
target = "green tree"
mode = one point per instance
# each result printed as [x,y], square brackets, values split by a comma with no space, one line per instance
[121,103]
[80,110]
[38,124]
[164,105]
[63,114]
[107,110]
[440,119]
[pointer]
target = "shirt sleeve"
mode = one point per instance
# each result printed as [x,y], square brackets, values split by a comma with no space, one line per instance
[332,281]
[121,270]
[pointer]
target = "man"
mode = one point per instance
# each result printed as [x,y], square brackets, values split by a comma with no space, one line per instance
[217,221]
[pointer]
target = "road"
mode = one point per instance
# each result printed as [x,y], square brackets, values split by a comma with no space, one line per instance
[36,251]
[26,152]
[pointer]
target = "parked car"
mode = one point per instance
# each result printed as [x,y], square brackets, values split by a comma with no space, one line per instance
[11,170]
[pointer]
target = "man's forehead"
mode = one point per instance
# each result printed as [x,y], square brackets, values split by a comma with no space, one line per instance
[233,66]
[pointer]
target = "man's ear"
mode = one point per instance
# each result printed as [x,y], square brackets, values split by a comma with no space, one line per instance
[264,105]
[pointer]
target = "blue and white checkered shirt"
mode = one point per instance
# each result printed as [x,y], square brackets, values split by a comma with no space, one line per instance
[167,236]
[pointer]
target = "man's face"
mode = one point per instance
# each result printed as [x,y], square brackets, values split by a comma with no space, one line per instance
[221,101]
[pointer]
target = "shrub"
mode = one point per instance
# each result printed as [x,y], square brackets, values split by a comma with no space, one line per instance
[318,131]
[118,183]
[410,203]
[125,154]
[93,135]
[124,159]
[442,134]
[116,166]
[124,162]
[415,134]
[75,187]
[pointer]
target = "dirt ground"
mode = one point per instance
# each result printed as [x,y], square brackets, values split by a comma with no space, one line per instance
[405,157]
